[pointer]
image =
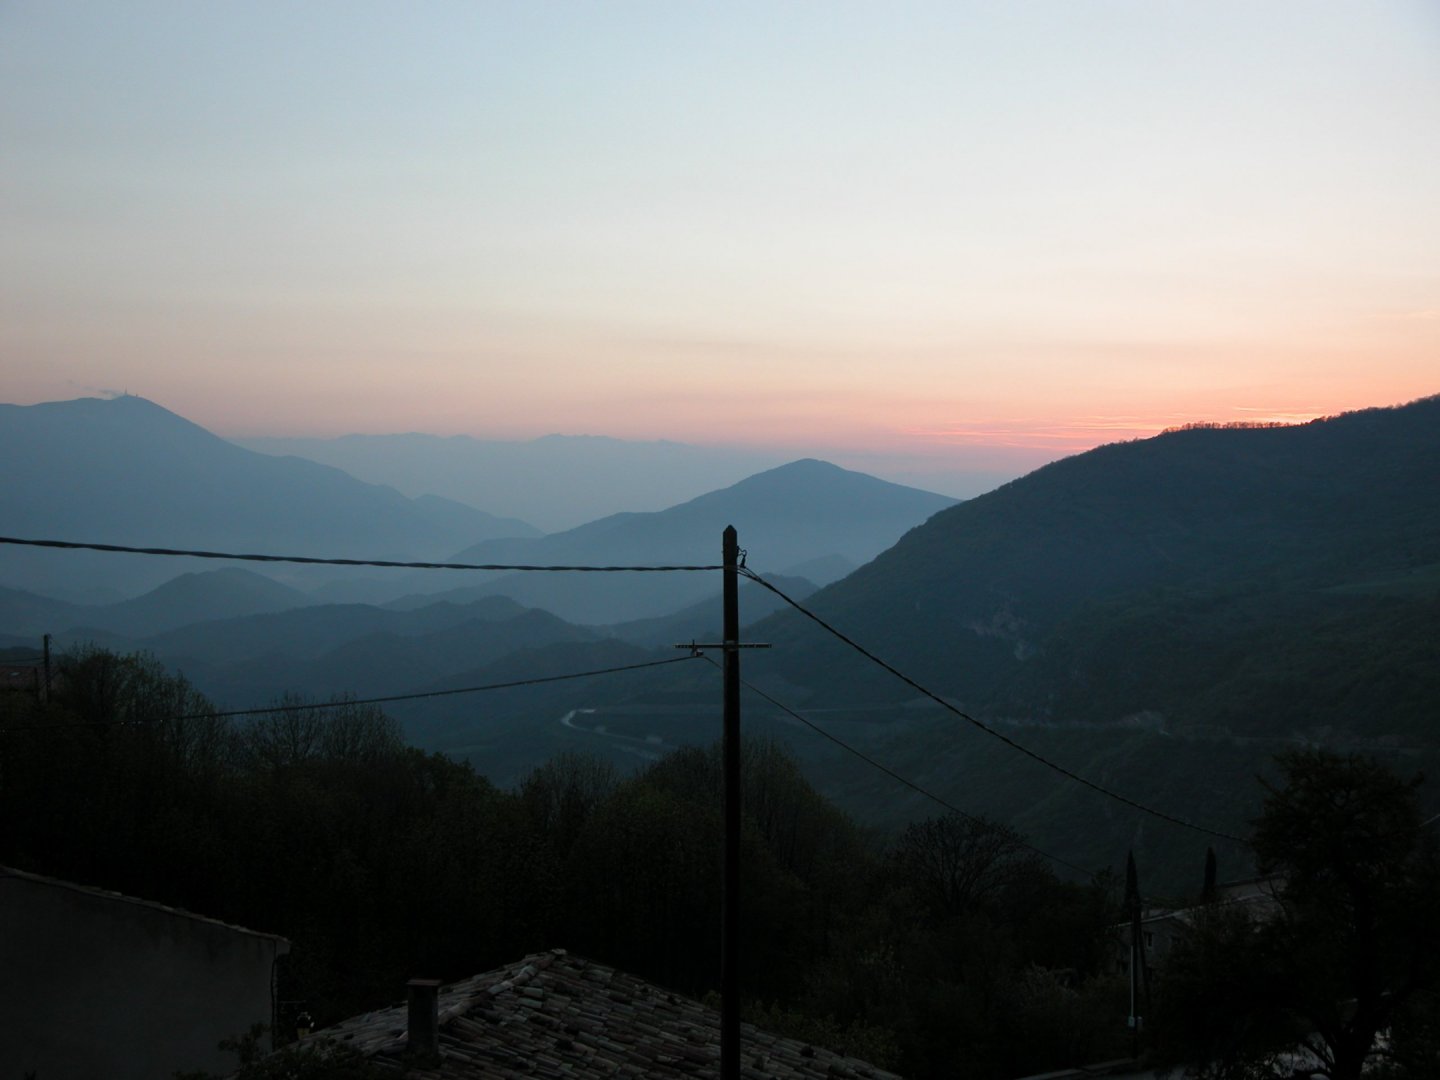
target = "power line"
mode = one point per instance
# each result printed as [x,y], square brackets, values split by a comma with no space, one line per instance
[347,702]
[986,728]
[312,560]
[897,777]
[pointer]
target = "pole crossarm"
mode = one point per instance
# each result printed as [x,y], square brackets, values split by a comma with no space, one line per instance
[696,646]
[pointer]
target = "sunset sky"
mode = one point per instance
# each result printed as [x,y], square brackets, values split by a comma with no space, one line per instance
[963,236]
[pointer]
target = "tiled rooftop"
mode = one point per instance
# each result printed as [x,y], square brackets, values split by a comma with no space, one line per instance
[555,1015]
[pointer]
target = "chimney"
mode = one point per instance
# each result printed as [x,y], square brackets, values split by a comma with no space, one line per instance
[424,1026]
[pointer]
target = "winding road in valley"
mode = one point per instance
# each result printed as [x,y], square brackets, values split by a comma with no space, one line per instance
[651,747]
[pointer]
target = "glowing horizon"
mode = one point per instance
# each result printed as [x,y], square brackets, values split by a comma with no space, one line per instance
[956,234]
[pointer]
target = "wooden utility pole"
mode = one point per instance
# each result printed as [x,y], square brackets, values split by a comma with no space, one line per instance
[731,645]
[1139,980]
[45,690]
[730,902]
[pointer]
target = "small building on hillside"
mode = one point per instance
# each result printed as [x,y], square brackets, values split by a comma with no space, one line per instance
[21,678]
[554,1015]
[97,984]
[1162,928]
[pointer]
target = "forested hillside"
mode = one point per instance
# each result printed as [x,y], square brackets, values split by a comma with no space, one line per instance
[1262,581]
[382,863]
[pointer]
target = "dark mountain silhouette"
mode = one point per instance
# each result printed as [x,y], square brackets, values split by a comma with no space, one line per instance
[189,598]
[194,597]
[395,655]
[126,471]
[797,513]
[333,649]
[1160,616]
[1265,579]
[821,571]
[703,621]
[26,614]
[310,632]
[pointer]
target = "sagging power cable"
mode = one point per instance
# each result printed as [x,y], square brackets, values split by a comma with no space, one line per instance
[946,804]
[344,703]
[986,728]
[314,560]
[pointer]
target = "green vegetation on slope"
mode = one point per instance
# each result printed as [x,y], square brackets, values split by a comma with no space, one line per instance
[1216,577]
[956,951]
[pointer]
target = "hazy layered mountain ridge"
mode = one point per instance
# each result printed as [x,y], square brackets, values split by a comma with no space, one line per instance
[126,471]
[800,513]
[189,598]
[558,481]
[249,658]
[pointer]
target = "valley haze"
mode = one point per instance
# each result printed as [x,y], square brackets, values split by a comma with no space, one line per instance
[1226,589]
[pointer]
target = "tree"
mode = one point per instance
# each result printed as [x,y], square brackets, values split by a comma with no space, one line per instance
[958,863]
[1352,941]
[560,795]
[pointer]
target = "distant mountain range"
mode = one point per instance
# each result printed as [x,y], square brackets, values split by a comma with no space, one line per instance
[246,641]
[558,482]
[807,512]
[1160,615]
[126,471]
[189,598]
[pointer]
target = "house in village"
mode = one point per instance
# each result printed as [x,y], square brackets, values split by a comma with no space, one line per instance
[553,1015]
[21,679]
[94,983]
[1162,928]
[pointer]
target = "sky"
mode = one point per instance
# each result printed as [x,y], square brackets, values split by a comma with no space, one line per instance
[926,239]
